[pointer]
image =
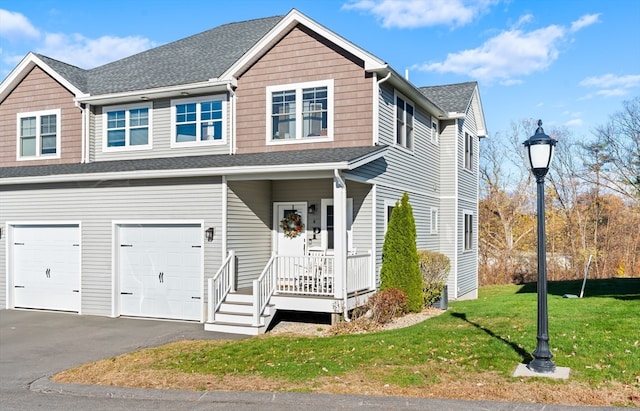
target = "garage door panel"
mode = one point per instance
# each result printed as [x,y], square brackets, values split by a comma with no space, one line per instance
[47,267]
[160,271]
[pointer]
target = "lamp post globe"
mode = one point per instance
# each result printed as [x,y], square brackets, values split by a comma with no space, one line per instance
[539,153]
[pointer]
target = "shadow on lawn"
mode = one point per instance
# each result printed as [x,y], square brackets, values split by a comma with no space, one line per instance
[526,357]
[619,288]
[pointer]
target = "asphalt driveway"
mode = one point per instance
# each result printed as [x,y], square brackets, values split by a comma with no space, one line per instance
[35,345]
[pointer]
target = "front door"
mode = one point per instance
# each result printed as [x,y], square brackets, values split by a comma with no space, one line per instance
[291,222]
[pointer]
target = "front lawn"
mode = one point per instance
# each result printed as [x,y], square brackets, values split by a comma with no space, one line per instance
[469,352]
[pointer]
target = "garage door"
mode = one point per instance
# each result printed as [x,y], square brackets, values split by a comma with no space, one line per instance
[161,271]
[46,267]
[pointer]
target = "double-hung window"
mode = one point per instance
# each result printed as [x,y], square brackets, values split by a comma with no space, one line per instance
[127,127]
[38,135]
[434,131]
[434,220]
[404,122]
[468,231]
[198,121]
[298,113]
[468,151]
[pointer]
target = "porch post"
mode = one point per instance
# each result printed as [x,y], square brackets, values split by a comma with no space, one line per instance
[339,234]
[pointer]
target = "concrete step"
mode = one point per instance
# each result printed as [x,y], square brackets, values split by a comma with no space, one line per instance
[234,328]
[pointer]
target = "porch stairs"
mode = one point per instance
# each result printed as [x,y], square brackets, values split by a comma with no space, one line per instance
[235,315]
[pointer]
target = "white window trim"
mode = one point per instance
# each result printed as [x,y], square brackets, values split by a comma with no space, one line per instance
[435,134]
[126,108]
[298,87]
[324,202]
[433,220]
[198,100]
[466,213]
[38,115]
[470,138]
[403,146]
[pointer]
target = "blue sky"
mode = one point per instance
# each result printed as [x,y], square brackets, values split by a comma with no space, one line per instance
[569,62]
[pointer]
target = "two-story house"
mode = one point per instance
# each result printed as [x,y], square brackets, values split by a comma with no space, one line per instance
[219,178]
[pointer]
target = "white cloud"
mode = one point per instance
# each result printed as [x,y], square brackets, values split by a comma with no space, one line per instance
[611,80]
[574,122]
[423,13]
[584,21]
[610,85]
[509,54]
[16,26]
[87,53]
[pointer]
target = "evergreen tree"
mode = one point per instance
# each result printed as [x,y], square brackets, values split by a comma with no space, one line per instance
[400,266]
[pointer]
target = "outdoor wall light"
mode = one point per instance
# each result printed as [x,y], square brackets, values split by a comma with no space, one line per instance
[312,209]
[209,232]
[539,154]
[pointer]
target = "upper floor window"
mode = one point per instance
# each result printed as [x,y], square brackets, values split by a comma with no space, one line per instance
[127,126]
[198,121]
[300,112]
[404,122]
[38,135]
[468,151]
[435,133]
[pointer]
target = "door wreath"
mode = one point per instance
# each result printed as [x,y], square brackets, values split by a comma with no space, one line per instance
[292,225]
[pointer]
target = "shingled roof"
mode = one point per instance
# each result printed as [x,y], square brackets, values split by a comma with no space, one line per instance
[276,158]
[197,58]
[452,98]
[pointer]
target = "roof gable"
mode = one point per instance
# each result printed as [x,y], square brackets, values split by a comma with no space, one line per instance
[70,77]
[457,99]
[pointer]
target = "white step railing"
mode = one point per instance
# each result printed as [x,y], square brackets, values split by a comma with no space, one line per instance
[263,289]
[221,284]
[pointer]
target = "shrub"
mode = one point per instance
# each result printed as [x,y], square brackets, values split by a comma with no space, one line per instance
[400,268]
[385,305]
[434,268]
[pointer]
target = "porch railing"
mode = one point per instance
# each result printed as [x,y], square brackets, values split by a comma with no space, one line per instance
[263,289]
[359,272]
[220,285]
[308,275]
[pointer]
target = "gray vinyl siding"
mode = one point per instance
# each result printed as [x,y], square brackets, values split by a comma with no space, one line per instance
[249,222]
[3,260]
[467,259]
[96,205]
[467,265]
[160,136]
[362,196]
[416,172]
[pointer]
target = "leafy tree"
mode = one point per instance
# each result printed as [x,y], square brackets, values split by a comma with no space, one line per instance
[400,267]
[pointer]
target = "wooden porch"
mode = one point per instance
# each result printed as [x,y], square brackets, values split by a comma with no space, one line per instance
[298,283]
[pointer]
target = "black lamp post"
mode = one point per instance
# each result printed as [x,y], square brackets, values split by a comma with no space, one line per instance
[539,154]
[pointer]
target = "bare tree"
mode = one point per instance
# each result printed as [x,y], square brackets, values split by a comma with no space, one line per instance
[615,154]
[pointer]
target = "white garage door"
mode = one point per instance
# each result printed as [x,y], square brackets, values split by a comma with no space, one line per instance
[161,271]
[46,267]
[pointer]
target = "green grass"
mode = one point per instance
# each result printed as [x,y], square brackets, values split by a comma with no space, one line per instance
[596,336]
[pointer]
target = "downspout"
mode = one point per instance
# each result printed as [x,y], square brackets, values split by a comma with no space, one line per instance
[232,111]
[343,268]
[376,108]
[83,131]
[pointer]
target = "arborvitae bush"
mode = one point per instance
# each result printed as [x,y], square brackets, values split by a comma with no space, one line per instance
[400,267]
